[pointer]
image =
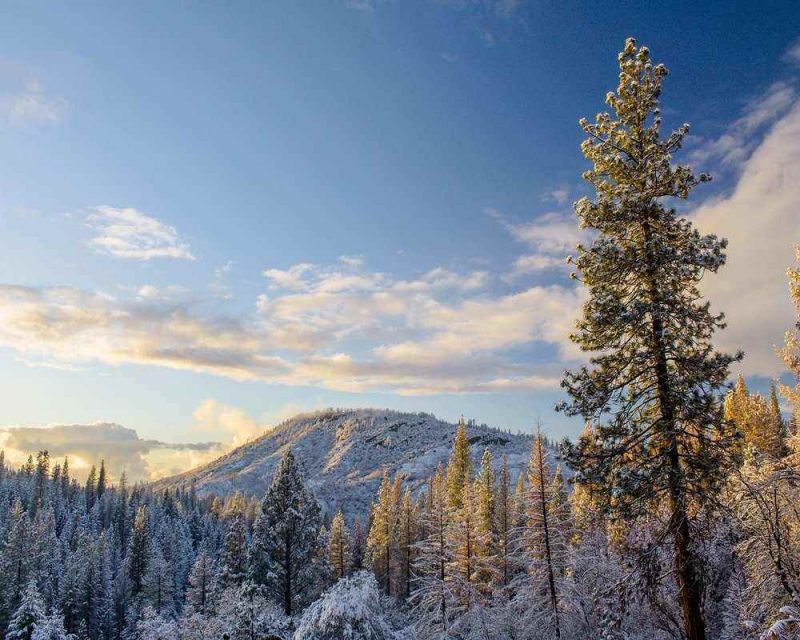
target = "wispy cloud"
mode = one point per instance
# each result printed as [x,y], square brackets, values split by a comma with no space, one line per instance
[219,285]
[550,238]
[130,234]
[737,143]
[360,5]
[792,54]
[24,100]
[558,195]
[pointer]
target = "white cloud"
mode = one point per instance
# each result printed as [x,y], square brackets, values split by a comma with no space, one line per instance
[131,234]
[760,219]
[292,278]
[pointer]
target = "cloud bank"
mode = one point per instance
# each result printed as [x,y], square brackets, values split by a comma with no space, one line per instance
[121,448]
[338,326]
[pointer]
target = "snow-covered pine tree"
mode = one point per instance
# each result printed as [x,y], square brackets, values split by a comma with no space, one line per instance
[139,550]
[339,546]
[504,523]
[285,545]
[433,600]
[52,628]
[540,537]
[358,544]
[234,558]
[201,579]
[40,481]
[15,560]
[90,490]
[406,539]
[459,467]
[158,583]
[29,614]
[381,540]
[655,369]
[487,573]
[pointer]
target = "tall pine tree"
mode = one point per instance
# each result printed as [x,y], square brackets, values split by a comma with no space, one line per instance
[655,370]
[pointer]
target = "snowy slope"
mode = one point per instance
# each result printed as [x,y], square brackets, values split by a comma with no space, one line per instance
[344,453]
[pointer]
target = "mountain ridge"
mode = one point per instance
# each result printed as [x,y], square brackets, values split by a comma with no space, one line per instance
[344,453]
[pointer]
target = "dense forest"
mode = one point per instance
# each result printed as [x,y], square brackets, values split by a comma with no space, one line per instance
[673,515]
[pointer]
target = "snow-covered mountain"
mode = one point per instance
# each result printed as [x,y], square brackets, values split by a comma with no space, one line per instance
[344,453]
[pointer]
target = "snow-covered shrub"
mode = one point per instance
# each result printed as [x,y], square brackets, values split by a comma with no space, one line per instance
[152,626]
[350,610]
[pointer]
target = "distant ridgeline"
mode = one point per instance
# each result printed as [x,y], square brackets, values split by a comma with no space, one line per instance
[344,452]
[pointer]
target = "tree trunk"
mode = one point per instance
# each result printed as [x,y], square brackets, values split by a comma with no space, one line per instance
[684,560]
[550,575]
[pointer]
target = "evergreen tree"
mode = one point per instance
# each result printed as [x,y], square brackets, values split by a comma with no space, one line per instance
[90,490]
[777,425]
[381,540]
[655,371]
[433,599]
[29,615]
[759,423]
[158,584]
[15,560]
[40,481]
[200,582]
[406,539]
[462,535]
[486,537]
[139,550]
[540,539]
[233,561]
[459,468]
[285,538]
[101,480]
[339,547]
[359,544]
[504,522]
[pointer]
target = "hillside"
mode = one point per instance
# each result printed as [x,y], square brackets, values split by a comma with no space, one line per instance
[344,453]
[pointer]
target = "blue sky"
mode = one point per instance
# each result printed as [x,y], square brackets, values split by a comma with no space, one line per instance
[217,214]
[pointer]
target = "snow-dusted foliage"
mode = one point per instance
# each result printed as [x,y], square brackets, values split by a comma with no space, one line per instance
[350,610]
